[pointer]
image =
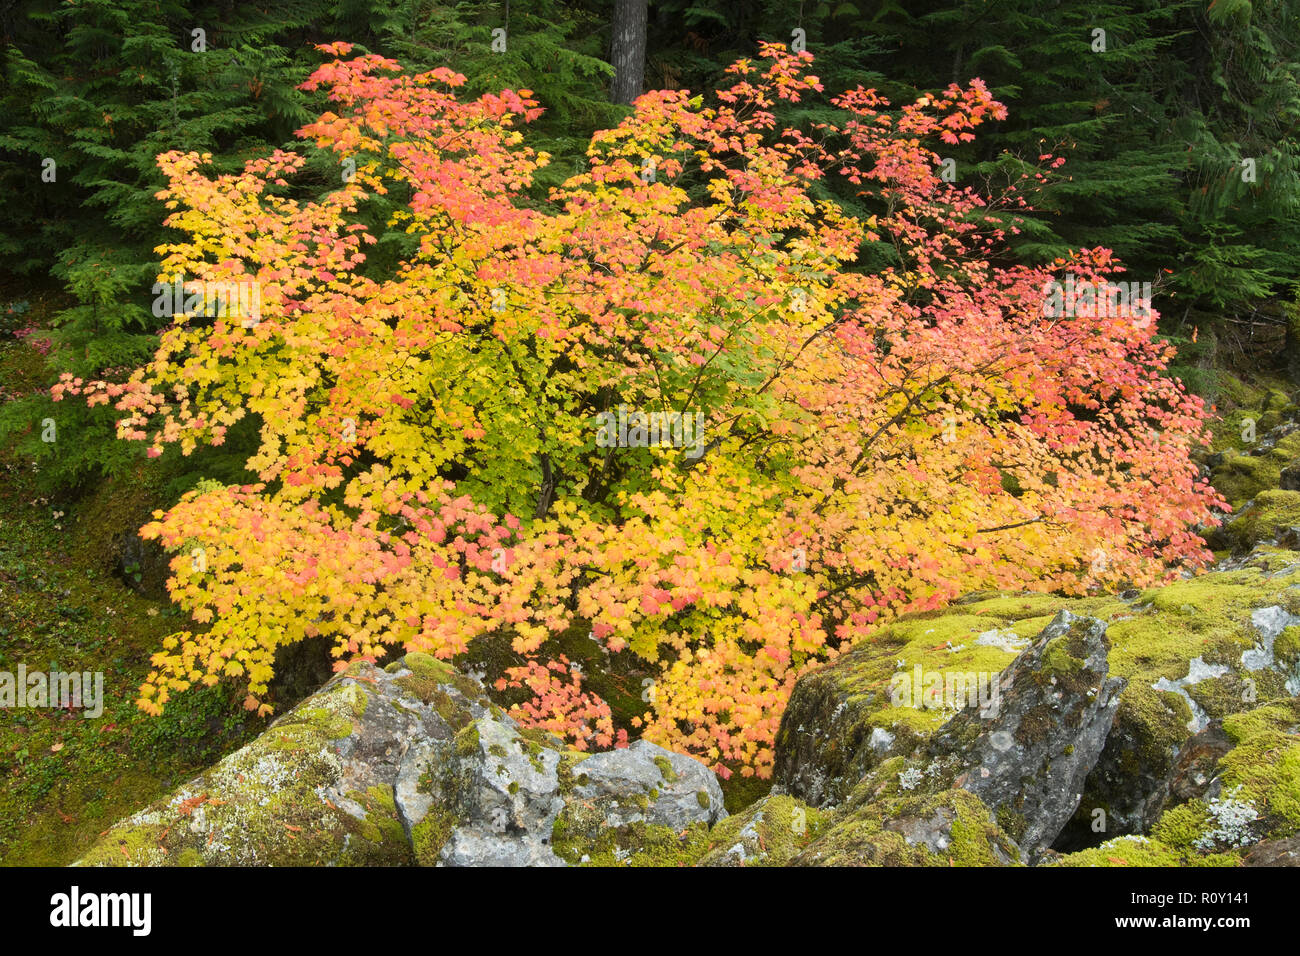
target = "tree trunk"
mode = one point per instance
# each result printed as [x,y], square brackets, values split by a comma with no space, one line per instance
[1291,348]
[627,50]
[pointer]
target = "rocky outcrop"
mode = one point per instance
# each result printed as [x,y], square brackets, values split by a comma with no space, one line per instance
[1268,518]
[1028,762]
[1240,805]
[770,832]
[413,765]
[1023,756]
[845,719]
[947,828]
[1239,474]
[1193,654]
[1155,728]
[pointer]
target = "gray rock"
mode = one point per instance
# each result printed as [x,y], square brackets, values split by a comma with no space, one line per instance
[1028,763]
[1027,760]
[829,737]
[316,788]
[684,786]
[1290,478]
[1284,852]
[411,764]
[1193,776]
[498,797]
[914,831]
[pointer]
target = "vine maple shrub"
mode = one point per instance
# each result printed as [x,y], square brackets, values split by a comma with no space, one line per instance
[429,466]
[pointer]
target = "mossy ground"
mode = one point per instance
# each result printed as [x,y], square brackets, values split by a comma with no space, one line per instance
[1270,514]
[67,778]
[1265,401]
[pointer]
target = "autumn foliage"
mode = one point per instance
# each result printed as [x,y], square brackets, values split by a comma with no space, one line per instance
[429,466]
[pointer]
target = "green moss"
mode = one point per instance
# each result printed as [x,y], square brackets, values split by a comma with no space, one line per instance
[1206,616]
[357,698]
[1181,826]
[1262,770]
[466,743]
[63,603]
[579,833]
[429,681]
[382,823]
[1156,721]
[976,839]
[661,847]
[1011,821]
[317,720]
[431,834]
[1220,696]
[1287,647]
[455,714]
[1241,477]
[1264,766]
[565,775]
[1272,512]
[771,832]
[429,667]
[129,845]
[1136,851]
[1058,661]
[666,769]
[871,834]
[1277,716]
[533,751]
[702,798]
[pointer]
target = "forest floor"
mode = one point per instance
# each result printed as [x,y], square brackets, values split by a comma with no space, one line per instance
[67,778]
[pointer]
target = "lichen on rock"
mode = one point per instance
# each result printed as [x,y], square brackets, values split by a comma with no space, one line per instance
[412,764]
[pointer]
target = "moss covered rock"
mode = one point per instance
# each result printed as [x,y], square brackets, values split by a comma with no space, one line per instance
[1192,652]
[412,764]
[1248,812]
[845,719]
[1270,516]
[512,797]
[1241,474]
[1026,754]
[317,788]
[948,828]
[771,832]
